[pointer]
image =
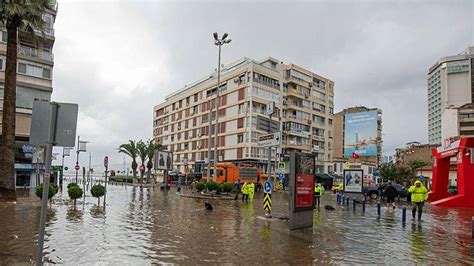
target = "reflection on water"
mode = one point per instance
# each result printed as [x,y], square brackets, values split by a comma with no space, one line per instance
[146,225]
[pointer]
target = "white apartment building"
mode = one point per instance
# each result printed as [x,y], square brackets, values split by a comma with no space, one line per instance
[34,81]
[304,111]
[450,84]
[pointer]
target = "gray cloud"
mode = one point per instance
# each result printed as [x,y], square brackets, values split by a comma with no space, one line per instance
[119,59]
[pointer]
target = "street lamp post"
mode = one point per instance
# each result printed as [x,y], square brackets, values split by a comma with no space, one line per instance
[219,42]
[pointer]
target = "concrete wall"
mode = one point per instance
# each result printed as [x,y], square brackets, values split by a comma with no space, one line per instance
[449,124]
[459,92]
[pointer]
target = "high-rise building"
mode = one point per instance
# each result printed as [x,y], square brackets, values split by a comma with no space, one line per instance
[304,112]
[450,84]
[358,133]
[34,81]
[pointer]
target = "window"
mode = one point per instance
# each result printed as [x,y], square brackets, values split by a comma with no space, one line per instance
[241,108]
[1,64]
[240,138]
[264,94]
[34,70]
[267,81]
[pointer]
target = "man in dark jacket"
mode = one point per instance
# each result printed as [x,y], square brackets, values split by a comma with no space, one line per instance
[390,193]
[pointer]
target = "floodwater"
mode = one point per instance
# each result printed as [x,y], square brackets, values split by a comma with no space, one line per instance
[148,226]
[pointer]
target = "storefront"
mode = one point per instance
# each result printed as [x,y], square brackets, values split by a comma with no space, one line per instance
[28,165]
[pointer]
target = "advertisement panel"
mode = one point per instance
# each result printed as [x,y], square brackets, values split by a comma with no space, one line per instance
[163,160]
[360,134]
[353,180]
[304,182]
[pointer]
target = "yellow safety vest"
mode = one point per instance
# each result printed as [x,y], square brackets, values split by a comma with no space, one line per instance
[418,194]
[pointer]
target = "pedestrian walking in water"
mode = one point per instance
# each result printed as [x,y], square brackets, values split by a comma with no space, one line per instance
[245,193]
[236,188]
[419,194]
[390,193]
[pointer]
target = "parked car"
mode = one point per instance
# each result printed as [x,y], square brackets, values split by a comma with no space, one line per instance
[373,191]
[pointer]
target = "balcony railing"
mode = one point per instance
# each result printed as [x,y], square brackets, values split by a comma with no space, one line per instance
[32,52]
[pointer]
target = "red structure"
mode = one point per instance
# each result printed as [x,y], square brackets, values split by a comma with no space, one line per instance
[461,150]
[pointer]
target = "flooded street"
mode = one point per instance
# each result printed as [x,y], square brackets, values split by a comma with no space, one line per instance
[145,226]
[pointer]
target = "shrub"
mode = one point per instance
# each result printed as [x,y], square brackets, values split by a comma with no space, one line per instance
[55,187]
[227,187]
[51,191]
[211,185]
[74,192]
[200,186]
[97,191]
[72,184]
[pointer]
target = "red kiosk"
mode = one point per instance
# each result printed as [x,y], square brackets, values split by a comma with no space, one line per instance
[462,150]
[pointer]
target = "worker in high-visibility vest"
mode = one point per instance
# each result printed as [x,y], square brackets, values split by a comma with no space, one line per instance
[251,190]
[245,193]
[419,194]
[318,192]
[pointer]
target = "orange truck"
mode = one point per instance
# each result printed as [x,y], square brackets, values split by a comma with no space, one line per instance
[229,173]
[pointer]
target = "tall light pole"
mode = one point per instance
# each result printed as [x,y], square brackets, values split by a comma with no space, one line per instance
[219,42]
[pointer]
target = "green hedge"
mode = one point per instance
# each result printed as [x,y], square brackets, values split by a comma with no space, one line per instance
[200,186]
[72,185]
[52,190]
[126,179]
[74,192]
[226,187]
[211,185]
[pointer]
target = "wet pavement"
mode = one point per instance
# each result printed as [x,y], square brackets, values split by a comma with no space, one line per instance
[145,226]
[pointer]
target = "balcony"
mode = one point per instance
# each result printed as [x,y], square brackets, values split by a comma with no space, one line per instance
[32,52]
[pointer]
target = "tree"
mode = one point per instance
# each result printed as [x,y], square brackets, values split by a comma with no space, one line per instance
[131,150]
[389,171]
[17,16]
[143,154]
[416,163]
[151,148]
[97,191]
[74,192]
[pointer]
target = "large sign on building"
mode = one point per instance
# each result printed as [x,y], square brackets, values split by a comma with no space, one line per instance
[360,134]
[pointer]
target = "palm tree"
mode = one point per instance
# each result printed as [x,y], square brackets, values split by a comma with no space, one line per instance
[151,148]
[143,154]
[131,150]
[16,16]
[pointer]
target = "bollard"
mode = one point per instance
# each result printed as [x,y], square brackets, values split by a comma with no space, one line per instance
[404,215]
[378,208]
[363,206]
[337,197]
[347,201]
[365,197]
[342,200]
[353,204]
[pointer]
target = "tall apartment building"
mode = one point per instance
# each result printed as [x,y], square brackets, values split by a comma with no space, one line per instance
[304,111]
[450,84]
[34,81]
[371,120]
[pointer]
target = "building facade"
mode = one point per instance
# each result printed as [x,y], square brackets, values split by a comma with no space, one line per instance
[457,122]
[450,84]
[34,81]
[415,151]
[340,130]
[304,111]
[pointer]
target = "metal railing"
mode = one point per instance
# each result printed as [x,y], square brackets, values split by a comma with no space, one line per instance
[32,52]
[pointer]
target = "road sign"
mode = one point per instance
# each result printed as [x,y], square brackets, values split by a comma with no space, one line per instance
[77,167]
[281,165]
[66,168]
[270,140]
[270,108]
[66,122]
[142,168]
[267,202]
[347,165]
[281,176]
[267,188]
[106,161]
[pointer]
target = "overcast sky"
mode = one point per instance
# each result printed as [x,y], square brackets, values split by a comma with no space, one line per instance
[118,59]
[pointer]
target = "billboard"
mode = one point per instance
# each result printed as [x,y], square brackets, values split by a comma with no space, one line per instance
[304,182]
[163,160]
[360,134]
[353,180]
